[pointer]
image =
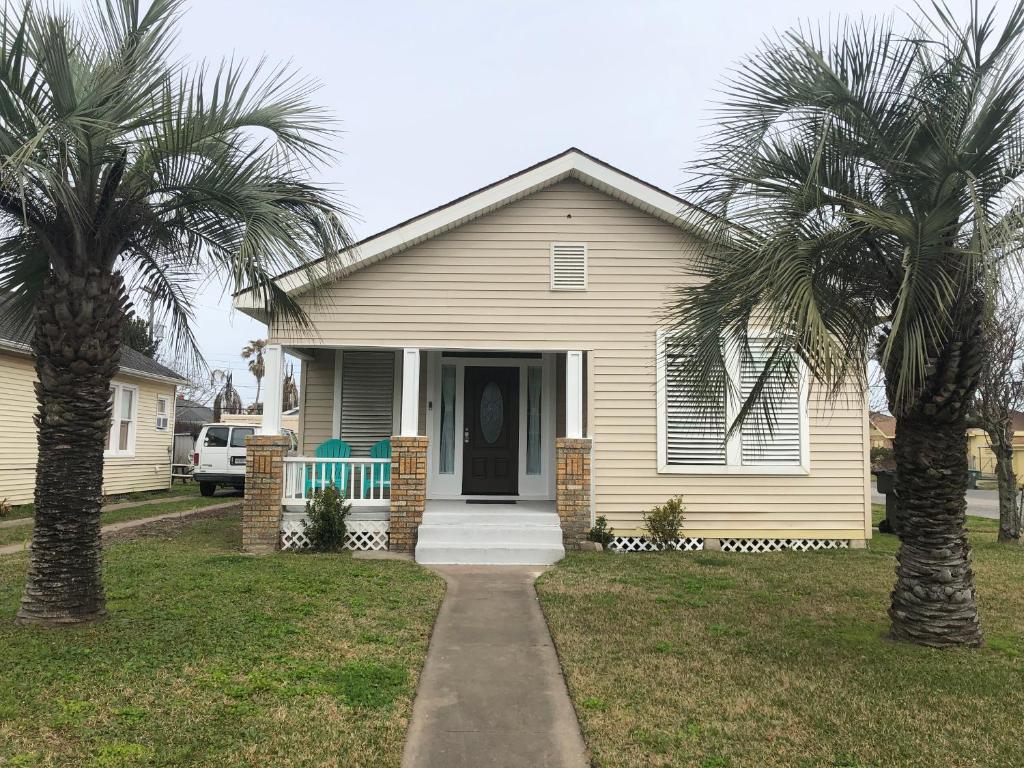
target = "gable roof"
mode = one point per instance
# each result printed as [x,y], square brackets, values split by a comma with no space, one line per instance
[17,337]
[884,423]
[573,163]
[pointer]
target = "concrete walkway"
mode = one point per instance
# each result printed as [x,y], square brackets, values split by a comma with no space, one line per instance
[492,692]
[21,546]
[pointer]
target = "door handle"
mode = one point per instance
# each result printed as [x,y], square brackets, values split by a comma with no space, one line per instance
[465,435]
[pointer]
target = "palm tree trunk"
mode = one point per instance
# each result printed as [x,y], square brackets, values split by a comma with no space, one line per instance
[77,347]
[933,602]
[258,381]
[1006,481]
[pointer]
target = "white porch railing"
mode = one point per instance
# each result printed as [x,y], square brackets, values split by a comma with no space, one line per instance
[365,482]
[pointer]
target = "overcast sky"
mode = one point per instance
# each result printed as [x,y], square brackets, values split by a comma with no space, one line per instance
[437,99]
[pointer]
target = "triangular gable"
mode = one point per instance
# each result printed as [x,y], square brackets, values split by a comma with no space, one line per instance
[570,164]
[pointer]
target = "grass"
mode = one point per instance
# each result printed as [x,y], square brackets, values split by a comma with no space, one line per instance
[731,660]
[176,503]
[214,658]
[176,490]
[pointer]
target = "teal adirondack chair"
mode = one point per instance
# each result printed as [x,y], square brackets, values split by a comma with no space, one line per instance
[335,474]
[381,472]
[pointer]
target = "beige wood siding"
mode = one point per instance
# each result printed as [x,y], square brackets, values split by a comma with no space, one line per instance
[148,469]
[485,285]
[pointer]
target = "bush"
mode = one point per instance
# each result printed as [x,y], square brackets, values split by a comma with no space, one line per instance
[881,454]
[664,522]
[601,532]
[325,520]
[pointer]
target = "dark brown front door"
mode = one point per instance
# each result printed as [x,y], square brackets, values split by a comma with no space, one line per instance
[490,445]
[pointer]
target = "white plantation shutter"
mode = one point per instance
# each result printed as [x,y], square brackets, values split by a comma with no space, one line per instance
[568,266]
[779,445]
[367,399]
[692,435]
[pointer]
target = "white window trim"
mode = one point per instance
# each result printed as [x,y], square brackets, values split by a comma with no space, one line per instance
[733,465]
[115,419]
[586,268]
[166,414]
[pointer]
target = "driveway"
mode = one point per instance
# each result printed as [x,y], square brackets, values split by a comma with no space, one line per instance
[979,503]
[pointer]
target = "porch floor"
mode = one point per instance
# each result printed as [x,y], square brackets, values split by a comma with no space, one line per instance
[507,508]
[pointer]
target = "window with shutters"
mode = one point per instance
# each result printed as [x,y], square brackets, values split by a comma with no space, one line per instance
[367,398]
[692,438]
[568,266]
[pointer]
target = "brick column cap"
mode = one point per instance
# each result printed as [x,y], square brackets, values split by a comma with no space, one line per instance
[573,442]
[268,441]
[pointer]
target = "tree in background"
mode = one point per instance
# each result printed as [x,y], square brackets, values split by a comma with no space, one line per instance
[1000,395]
[127,170]
[290,391]
[851,192]
[227,400]
[137,333]
[253,352]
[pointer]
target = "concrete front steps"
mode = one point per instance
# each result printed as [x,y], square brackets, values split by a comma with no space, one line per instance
[489,534]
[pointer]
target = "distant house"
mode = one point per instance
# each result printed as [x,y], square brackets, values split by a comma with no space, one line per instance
[979,449]
[138,455]
[189,417]
[882,429]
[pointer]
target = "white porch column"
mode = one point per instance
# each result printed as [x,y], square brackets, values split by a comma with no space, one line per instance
[410,392]
[574,394]
[273,383]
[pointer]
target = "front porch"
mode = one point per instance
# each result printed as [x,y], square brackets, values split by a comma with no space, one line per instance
[410,436]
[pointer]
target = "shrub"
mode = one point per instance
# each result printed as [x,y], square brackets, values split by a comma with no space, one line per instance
[325,520]
[881,454]
[601,532]
[664,522]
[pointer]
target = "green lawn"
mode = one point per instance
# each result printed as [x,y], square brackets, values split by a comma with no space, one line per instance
[732,660]
[211,658]
[175,503]
[176,490]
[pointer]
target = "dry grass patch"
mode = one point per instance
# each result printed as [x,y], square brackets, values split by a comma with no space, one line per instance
[712,659]
[213,658]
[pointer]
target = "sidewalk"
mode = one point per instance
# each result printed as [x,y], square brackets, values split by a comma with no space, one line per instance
[492,692]
[21,546]
[106,508]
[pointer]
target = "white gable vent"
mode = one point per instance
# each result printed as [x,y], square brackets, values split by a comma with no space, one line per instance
[568,266]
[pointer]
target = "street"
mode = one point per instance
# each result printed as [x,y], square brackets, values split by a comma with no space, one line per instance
[979,503]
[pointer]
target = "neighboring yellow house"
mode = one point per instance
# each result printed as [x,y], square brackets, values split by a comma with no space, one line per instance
[979,450]
[882,430]
[138,456]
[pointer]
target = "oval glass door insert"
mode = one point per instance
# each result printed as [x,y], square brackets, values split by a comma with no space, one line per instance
[492,412]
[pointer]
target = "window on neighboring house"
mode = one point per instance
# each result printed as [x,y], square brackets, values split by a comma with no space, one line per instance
[124,405]
[163,406]
[692,437]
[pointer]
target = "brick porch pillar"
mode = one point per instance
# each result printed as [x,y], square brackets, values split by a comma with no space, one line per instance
[408,490]
[264,487]
[572,488]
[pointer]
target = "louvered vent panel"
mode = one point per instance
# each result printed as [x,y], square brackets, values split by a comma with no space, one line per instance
[781,443]
[568,267]
[692,434]
[367,398]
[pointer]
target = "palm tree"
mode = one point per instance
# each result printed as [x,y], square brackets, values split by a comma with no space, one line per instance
[253,352]
[871,185]
[126,170]
[227,398]
[290,391]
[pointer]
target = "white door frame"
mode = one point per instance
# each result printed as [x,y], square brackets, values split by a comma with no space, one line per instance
[449,486]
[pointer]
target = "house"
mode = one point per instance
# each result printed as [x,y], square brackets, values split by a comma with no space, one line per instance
[509,345]
[882,429]
[138,455]
[981,457]
[289,419]
[190,416]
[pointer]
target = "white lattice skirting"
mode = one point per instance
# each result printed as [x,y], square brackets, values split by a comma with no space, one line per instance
[641,544]
[361,535]
[779,545]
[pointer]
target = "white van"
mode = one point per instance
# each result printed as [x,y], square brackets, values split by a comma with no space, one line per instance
[219,459]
